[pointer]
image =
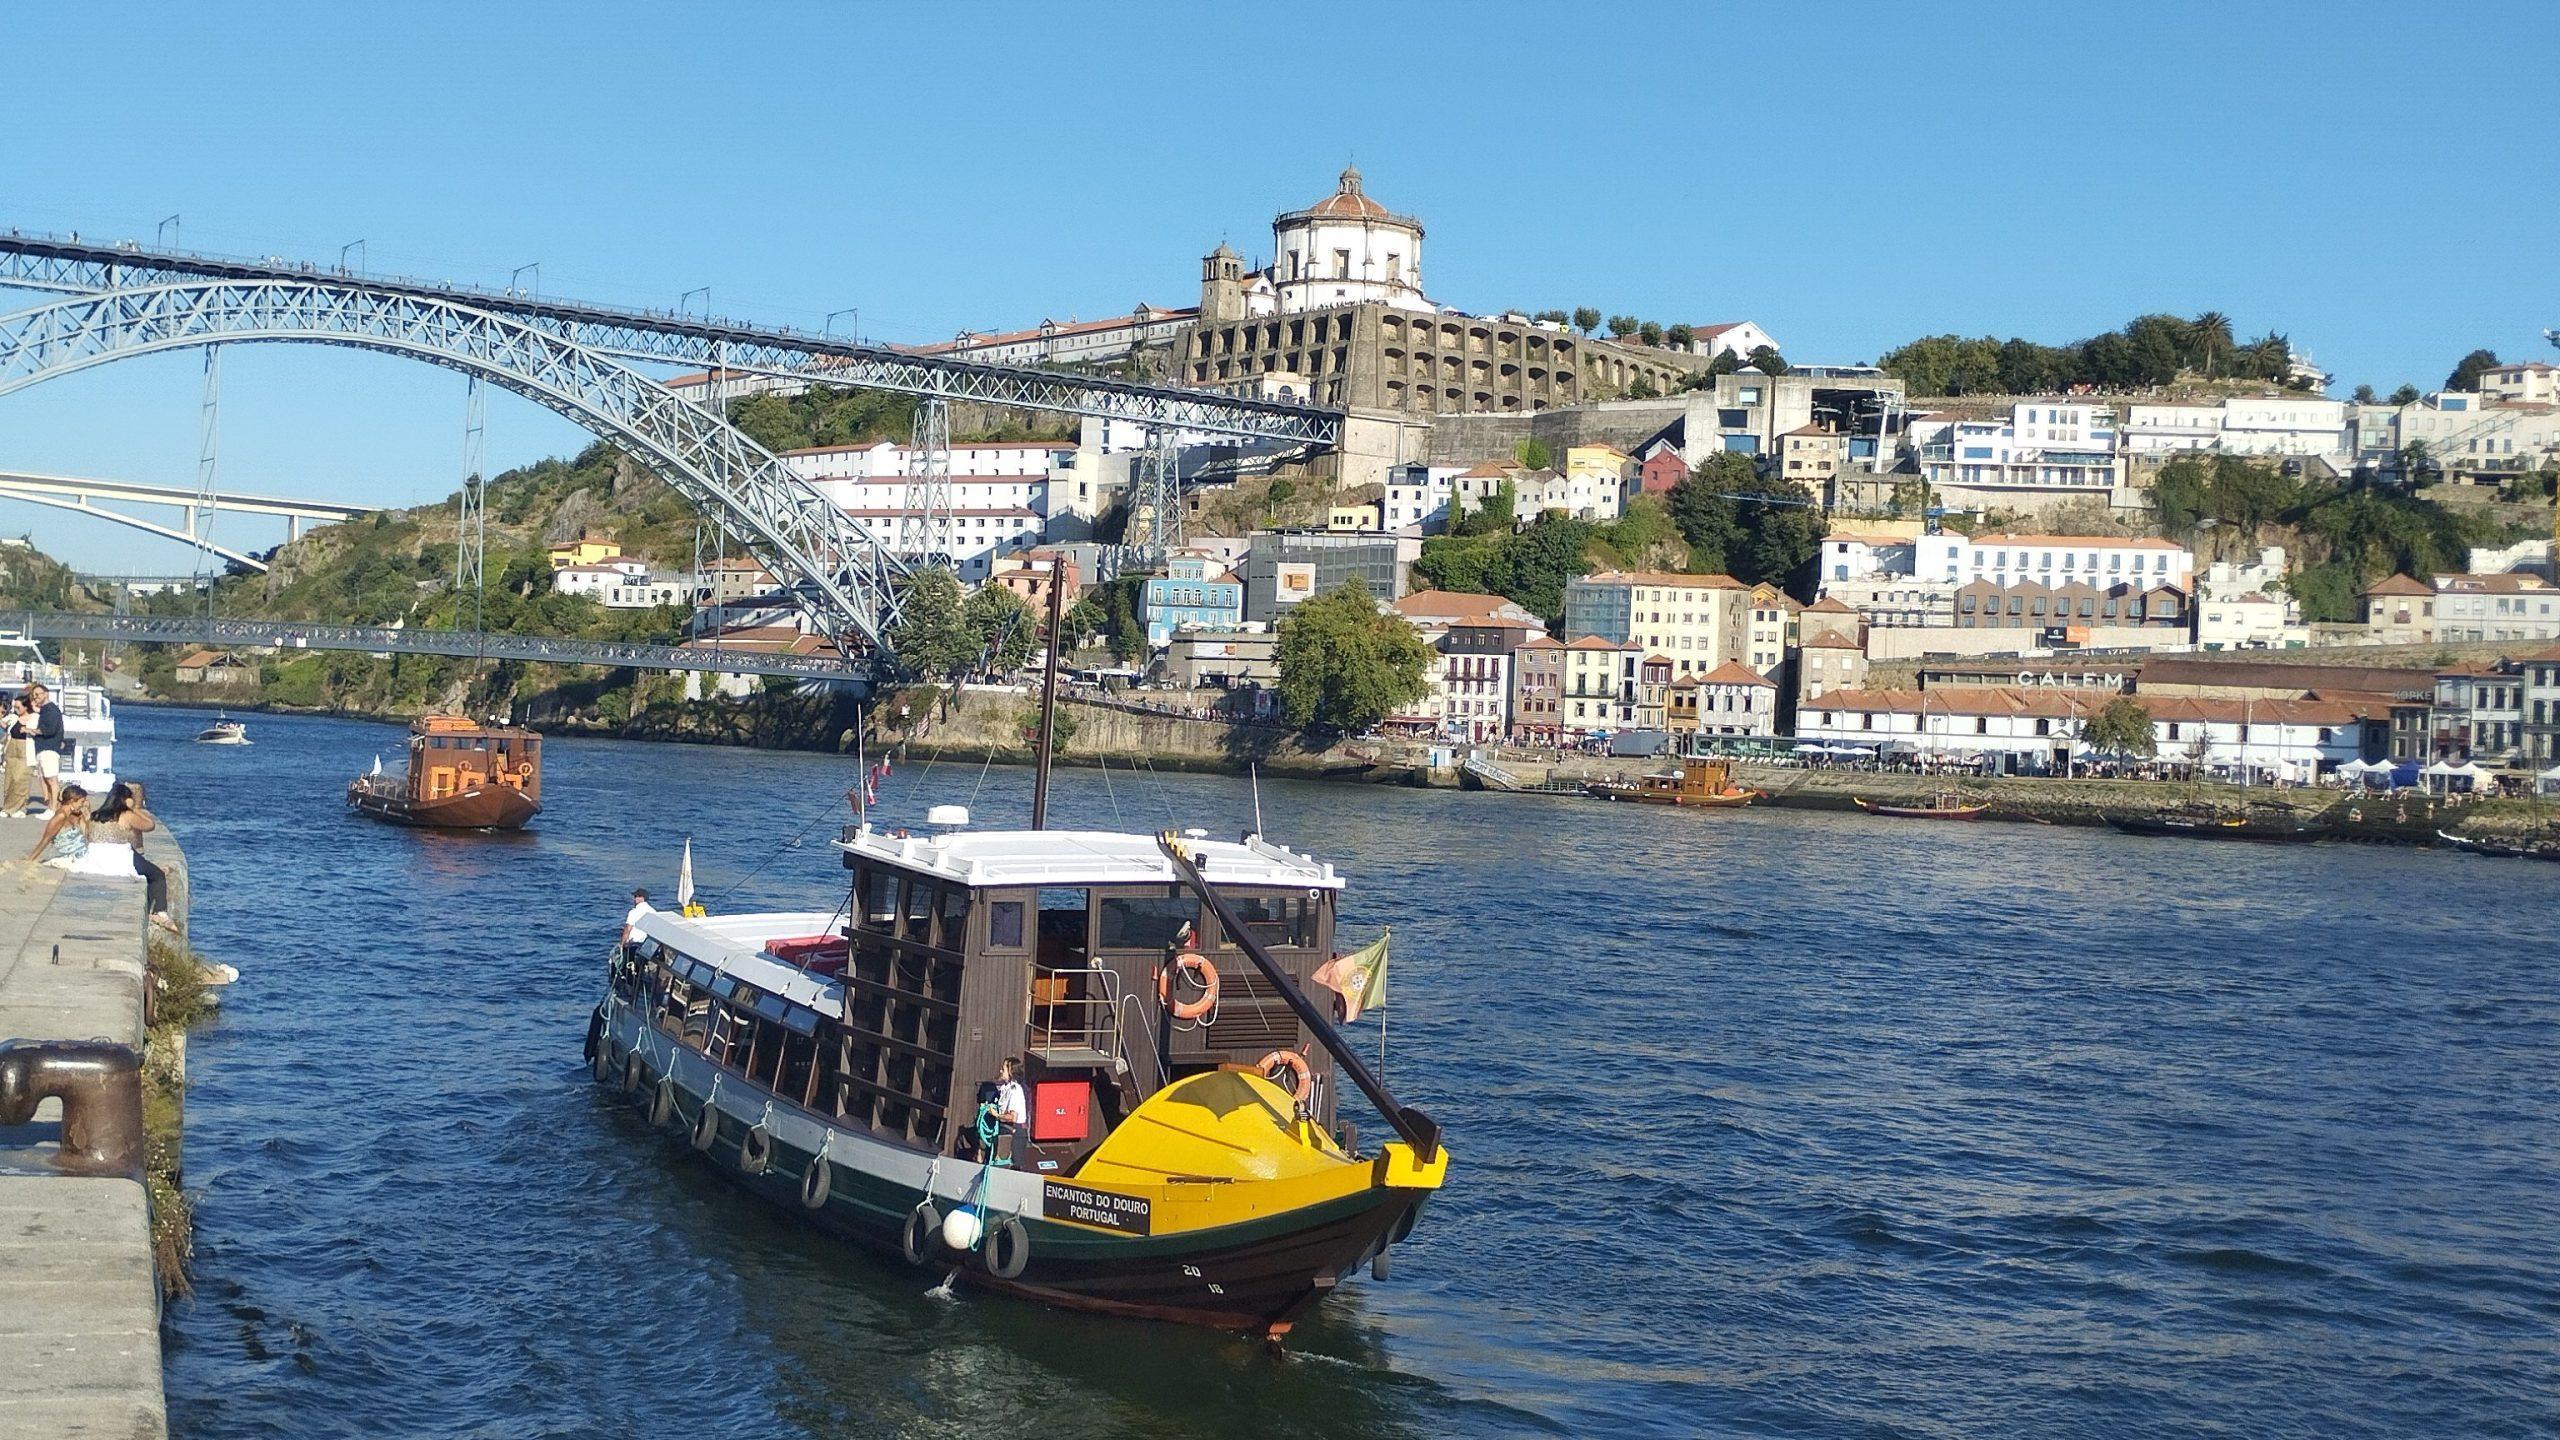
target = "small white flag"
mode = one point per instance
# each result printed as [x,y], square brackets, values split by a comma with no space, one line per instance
[684,878]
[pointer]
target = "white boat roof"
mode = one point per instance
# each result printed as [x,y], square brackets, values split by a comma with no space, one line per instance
[735,944]
[996,858]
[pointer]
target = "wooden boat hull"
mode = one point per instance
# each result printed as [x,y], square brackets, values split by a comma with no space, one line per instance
[1637,794]
[486,807]
[1257,1276]
[2250,831]
[1921,812]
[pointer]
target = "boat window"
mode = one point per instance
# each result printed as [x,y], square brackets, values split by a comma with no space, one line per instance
[955,918]
[880,900]
[1147,922]
[1278,919]
[919,924]
[1004,925]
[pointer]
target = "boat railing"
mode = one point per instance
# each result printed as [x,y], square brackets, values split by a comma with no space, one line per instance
[1075,1015]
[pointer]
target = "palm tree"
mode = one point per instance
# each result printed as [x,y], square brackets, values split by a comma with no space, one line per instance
[2270,357]
[2212,332]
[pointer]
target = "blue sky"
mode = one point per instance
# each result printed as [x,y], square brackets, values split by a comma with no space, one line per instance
[2373,181]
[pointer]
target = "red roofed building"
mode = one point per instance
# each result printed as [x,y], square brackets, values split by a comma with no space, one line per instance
[2037,730]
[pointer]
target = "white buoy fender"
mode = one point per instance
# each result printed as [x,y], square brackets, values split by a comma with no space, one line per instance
[961,1229]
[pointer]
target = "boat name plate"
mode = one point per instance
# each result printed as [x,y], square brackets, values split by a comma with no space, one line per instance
[1080,1206]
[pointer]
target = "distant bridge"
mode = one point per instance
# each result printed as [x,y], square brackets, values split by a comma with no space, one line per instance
[465,644]
[84,496]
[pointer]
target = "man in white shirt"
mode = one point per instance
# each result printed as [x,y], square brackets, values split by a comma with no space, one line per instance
[631,923]
[1012,1110]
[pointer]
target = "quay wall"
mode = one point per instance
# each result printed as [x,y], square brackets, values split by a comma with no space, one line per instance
[80,1287]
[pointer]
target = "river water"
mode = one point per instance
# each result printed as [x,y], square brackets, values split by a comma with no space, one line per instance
[1761,1123]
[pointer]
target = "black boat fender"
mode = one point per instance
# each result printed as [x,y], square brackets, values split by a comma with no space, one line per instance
[662,1108]
[595,1037]
[923,1232]
[706,1125]
[1007,1249]
[756,1151]
[632,1073]
[817,1182]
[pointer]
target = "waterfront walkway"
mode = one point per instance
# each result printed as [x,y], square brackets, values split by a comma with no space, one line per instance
[79,1302]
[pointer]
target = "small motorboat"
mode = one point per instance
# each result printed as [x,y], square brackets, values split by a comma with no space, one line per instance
[2496,849]
[223,731]
[1707,784]
[1947,806]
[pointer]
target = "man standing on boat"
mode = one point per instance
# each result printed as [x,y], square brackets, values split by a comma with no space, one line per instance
[640,907]
[1012,1111]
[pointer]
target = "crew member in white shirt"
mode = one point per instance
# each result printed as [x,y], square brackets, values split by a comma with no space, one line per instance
[640,906]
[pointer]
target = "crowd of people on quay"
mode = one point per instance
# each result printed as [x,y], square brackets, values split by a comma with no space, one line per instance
[84,834]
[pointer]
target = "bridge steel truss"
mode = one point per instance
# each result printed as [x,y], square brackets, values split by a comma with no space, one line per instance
[41,262]
[290,635]
[840,574]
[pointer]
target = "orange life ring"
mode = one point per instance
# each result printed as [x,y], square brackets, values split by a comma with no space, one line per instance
[1200,968]
[1296,1064]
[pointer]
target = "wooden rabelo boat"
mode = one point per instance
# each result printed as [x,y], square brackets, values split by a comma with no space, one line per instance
[1183,1157]
[1946,806]
[2220,827]
[1704,783]
[461,776]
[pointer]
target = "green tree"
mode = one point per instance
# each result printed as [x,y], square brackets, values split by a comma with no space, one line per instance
[1083,621]
[2122,727]
[1345,665]
[2467,370]
[1622,326]
[2405,395]
[1707,517]
[2364,396]
[1003,626]
[1643,388]
[1586,319]
[1534,564]
[1120,618]
[2211,332]
[1650,332]
[1680,337]
[1768,361]
[932,637]
[1533,454]
[1494,517]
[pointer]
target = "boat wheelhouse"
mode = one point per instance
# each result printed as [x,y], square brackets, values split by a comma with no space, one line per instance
[461,776]
[1182,1157]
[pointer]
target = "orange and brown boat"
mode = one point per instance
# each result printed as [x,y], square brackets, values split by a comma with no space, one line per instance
[1947,806]
[1704,783]
[461,776]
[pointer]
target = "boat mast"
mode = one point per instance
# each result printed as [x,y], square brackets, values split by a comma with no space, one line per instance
[1048,693]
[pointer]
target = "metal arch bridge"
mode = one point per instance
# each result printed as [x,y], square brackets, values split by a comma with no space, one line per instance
[83,495]
[69,264]
[837,570]
[382,639]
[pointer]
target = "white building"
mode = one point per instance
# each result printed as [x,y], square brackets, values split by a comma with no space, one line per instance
[2045,448]
[622,583]
[1417,497]
[2281,425]
[2250,620]
[2466,436]
[2039,729]
[1586,494]
[2531,383]
[1000,492]
[1737,338]
[1951,559]
[1344,249]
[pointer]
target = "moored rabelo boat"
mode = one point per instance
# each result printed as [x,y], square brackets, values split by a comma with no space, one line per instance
[461,776]
[1947,806]
[1182,1157]
[1705,783]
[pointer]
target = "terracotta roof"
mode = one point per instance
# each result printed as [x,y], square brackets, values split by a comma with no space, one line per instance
[1593,642]
[1488,470]
[2399,585]
[2498,584]
[1734,672]
[1709,332]
[197,659]
[1453,605]
[1832,640]
[1349,202]
[1542,642]
[1829,605]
